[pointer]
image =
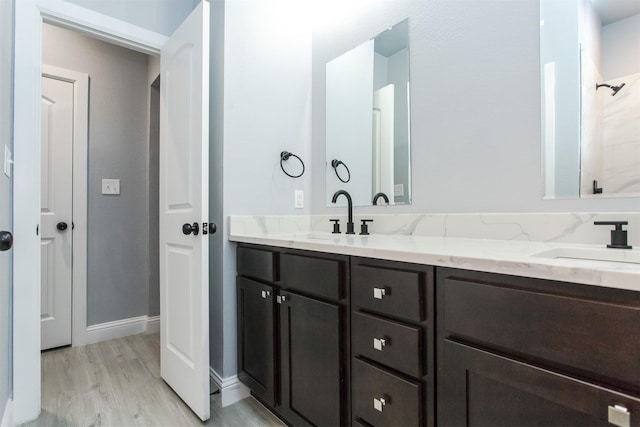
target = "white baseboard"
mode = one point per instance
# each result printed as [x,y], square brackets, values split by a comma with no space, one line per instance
[7,418]
[153,325]
[118,329]
[231,389]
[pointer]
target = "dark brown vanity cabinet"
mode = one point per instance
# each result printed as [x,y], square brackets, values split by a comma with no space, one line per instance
[514,351]
[257,322]
[314,338]
[293,333]
[392,330]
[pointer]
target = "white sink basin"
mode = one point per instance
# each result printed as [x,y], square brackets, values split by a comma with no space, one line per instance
[630,256]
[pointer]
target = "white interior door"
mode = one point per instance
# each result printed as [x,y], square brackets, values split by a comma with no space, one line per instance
[56,212]
[184,199]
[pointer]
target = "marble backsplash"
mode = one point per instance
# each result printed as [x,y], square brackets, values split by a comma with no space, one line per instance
[539,227]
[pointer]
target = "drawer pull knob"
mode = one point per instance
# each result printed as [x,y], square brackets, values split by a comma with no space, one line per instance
[379,293]
[619,415]
[379,343]
[378,404]
[265,294]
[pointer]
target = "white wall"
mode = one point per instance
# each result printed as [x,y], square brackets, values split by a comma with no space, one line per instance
[621,48]
[265,60]
[161,16]
[475,82]
[118,236]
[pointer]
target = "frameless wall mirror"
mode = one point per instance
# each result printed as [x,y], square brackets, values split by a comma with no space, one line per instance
[590,75]
[367,120]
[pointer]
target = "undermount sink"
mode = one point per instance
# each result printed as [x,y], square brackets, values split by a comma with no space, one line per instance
[628,256]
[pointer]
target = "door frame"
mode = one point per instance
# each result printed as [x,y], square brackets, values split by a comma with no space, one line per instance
[80,82]
[28,18]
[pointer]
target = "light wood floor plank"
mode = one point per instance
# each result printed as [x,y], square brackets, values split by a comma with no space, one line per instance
[117,383]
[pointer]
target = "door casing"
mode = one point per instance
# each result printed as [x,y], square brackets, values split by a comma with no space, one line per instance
[29,15]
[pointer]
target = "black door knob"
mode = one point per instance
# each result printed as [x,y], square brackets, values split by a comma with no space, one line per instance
[61,226]
[6,240]
[208,228]
[191,228]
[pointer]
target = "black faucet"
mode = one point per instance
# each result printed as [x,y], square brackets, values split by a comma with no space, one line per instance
[377,196]
[618,236]
[349,207]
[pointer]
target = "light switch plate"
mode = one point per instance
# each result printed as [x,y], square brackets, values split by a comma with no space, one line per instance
[398,190]
[111,186]
[299,199]
[7,161]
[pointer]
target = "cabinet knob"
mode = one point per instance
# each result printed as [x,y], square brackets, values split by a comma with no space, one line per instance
[379,343]
[281,298]
[379,293]
[266,294]
[619,415]
[378,404]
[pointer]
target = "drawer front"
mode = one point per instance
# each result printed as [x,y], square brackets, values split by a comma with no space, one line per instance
[394,292]
[383,399]
[591,338]
[316,276]
[391,343]
[256,263]
[479,388]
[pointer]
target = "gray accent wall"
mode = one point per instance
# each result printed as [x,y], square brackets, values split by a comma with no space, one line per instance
[475,100]
[217,241]
[118,226]
[6,103]
[154,197]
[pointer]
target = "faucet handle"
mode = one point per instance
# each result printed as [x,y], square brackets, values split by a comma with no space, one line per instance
[336,226]
[618,235]
[364,228]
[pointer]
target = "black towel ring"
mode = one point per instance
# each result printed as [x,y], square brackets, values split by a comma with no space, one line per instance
[285,156]
[335,163]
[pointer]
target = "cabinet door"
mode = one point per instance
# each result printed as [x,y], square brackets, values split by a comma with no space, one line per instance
[312,361]
[478,388]
[256,361]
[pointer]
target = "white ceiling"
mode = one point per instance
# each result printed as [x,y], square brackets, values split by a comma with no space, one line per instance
[615,10]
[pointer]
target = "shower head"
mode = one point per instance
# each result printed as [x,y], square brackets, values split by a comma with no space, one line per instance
[615,89]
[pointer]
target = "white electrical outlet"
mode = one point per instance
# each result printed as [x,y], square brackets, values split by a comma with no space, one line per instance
[299,199]
[7,161]
[111,186]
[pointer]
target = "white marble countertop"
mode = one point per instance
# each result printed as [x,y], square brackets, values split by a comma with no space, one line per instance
[543,260]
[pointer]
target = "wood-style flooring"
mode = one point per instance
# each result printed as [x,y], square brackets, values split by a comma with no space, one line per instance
[117,383]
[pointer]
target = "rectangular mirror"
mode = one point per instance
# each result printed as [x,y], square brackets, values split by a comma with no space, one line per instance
[590,76]
[367,120]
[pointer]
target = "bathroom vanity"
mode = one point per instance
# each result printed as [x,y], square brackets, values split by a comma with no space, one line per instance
[417,331]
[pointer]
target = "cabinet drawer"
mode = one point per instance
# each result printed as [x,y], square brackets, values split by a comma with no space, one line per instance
[478,388]
[591,338]
[257,263]
[394,292]
[391,343]
[401,404]
[323,277]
